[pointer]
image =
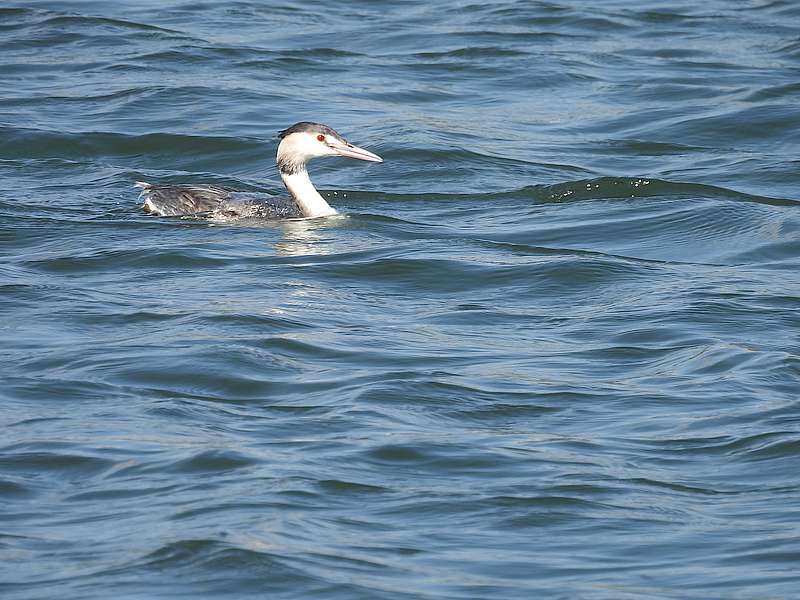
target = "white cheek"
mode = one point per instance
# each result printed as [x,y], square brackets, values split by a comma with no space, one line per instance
[310,147]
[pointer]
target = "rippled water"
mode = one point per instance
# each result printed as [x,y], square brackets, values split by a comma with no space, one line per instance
[550,351]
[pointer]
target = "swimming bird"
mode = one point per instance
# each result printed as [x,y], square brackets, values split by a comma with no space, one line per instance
[299,143]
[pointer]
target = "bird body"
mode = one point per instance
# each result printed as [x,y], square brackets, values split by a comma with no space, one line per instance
[299,143]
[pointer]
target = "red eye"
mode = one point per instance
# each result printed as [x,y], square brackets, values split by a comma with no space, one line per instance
[321,137]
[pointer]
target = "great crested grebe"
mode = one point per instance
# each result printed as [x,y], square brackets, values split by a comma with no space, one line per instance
[299,143]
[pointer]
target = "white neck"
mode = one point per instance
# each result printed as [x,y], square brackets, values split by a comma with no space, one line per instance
[306,195]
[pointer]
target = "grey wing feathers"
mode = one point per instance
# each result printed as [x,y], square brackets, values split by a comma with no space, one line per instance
[214,202]
[182,200]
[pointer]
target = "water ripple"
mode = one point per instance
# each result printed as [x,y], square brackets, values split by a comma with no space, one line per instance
[548,349]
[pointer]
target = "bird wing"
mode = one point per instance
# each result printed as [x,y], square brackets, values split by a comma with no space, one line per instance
[213,201]
[182,200]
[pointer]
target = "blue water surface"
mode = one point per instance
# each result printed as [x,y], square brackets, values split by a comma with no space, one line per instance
[548,350]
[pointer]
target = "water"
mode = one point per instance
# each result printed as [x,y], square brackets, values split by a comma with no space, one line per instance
[550,351]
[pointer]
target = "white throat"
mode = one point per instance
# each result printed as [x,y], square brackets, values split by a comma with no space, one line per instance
[306,195]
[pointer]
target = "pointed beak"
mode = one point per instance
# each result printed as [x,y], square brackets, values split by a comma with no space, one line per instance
[350,151]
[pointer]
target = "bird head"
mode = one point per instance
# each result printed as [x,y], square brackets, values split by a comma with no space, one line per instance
[305,140]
